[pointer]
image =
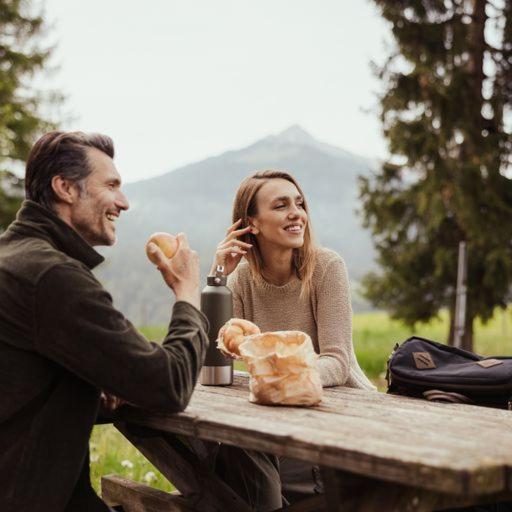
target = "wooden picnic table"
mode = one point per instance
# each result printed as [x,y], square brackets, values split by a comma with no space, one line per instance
[377,452]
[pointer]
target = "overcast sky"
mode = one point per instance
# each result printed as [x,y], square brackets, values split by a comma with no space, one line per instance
[177,81]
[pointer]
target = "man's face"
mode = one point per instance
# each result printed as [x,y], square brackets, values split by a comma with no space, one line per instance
[100,202]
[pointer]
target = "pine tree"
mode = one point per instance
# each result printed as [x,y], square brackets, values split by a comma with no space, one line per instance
[21,121]
[445,113]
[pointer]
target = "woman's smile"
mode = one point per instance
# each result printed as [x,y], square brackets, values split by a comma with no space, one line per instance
[293,229]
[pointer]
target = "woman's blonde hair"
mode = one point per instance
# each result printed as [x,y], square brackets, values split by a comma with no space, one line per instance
[244,206]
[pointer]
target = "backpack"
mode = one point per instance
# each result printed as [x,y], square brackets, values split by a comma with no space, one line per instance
[426,369]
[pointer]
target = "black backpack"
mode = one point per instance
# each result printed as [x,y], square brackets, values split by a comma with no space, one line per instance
[427,369]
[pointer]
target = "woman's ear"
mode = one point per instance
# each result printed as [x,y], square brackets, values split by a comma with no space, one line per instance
[254,225]
[65,190]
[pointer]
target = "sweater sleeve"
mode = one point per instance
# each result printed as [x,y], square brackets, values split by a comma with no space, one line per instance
[334,320]
[77,326]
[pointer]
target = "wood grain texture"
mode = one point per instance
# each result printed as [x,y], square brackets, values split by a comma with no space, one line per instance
[137,497]
[458,449]
[182,465]
[345,492]
[313,504]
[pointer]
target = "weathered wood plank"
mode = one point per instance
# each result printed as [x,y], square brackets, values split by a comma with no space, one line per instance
[450,422]
[462,449]
[480,480]
[313,504]
[352,447]
[346,492]
[434,423]
[137,497]
[334,421]
[342,400]
[198,484]
[407,440]
[240,388]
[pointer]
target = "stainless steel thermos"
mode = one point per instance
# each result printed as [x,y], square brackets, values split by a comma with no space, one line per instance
[217,306]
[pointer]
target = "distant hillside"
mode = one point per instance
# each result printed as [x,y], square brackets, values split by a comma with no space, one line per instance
[197,200]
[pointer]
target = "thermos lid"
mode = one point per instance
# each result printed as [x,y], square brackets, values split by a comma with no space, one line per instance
[216,280]
[219,279]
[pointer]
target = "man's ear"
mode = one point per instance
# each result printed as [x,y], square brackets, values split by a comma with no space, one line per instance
[65,190]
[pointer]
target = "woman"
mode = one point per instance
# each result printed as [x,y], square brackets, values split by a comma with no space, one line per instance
[289,283]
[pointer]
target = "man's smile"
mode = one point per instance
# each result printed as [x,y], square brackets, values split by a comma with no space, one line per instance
[112,216]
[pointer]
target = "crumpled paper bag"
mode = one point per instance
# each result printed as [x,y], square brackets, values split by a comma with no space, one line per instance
[281,364]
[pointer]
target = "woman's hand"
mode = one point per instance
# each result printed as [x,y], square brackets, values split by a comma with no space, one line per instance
[231,250]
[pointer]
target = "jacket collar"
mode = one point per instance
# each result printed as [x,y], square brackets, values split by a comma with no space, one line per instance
[33,220]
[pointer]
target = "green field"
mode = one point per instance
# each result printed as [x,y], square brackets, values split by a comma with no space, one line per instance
[374,337]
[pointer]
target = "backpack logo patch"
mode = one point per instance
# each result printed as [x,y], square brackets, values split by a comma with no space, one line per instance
[488,363]
[423,361]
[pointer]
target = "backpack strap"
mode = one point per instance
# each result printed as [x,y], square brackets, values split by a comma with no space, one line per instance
[436,395]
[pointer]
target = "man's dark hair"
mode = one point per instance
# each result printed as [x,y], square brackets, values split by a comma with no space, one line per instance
[63,154]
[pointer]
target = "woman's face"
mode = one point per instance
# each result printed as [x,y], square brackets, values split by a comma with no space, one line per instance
[281,219]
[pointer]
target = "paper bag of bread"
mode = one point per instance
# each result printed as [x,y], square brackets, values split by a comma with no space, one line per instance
[281,364]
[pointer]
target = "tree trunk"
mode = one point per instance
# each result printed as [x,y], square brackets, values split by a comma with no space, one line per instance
[467,338]
[470,152]
[476,46]
[451,327]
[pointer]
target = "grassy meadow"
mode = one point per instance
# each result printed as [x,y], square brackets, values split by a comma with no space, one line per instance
[375,335]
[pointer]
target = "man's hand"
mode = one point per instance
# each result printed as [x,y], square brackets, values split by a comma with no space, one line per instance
[111,402]
[181,272]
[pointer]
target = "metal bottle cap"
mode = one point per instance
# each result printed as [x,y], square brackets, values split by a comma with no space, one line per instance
[219,279]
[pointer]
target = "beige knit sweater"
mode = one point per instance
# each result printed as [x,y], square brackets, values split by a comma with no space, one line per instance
[326,315]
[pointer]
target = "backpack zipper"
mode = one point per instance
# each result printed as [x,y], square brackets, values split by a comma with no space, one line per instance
[482,387]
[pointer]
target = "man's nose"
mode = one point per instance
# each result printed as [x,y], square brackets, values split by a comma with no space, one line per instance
[122,201]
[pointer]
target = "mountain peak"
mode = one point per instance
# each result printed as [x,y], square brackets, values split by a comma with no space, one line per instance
[296,135]
[295,138]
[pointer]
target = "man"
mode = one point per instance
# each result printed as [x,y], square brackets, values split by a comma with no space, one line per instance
[61,340]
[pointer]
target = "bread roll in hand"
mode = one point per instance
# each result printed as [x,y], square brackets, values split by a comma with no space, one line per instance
[232,334]
[167,243]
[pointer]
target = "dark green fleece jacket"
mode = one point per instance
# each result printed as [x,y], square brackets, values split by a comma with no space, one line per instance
[61,342]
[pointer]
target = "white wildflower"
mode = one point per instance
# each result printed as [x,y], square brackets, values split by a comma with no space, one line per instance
[94,457]
[150,477]
[127,464]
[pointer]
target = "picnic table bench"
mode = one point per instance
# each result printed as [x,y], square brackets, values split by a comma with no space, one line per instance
[377,452]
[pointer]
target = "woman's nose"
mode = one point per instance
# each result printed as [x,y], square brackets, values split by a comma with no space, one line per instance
[294,211]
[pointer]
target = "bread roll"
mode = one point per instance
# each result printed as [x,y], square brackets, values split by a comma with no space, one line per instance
[233,333]
[168,245]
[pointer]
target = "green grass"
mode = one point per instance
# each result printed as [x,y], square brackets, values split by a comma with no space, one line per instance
[375,335]
[112,453]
